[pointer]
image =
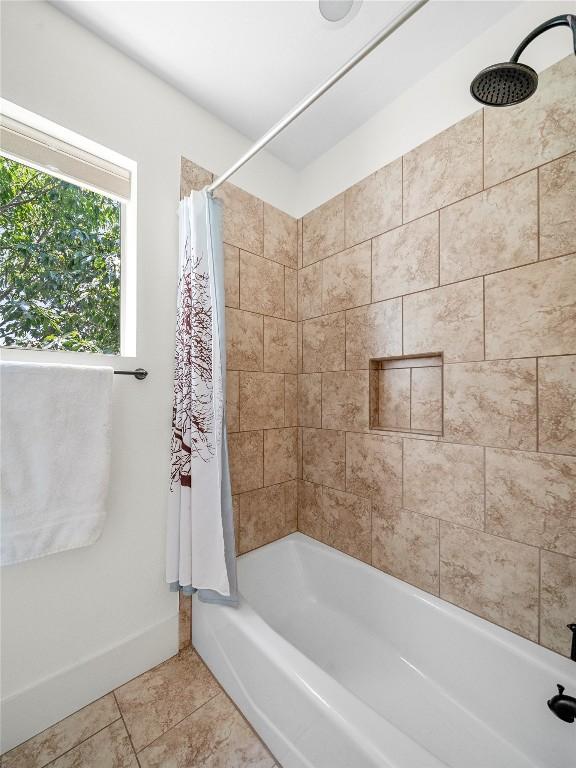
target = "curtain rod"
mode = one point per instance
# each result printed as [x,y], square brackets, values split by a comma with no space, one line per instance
[395,24]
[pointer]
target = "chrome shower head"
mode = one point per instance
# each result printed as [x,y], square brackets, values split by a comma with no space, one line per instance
[502,85]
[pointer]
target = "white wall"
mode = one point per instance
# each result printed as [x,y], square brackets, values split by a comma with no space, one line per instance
[76,624]
[436,102]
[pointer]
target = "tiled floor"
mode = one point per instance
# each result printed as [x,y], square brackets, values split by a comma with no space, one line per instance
[174,716]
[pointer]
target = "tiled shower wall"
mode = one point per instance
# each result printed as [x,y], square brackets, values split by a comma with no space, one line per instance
[260,251]
[465,246]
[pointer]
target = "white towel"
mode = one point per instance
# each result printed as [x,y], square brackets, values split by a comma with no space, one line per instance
[55,457]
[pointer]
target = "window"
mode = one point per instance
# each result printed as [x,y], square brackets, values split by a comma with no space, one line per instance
[66,216]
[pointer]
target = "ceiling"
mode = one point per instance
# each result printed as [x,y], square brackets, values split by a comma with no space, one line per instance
[250,62]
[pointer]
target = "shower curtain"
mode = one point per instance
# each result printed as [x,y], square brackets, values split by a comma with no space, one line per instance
[200,531]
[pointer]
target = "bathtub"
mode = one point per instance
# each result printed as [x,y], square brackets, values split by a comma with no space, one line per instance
[338,665]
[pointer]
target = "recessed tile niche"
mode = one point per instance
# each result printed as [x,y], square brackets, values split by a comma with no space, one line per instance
[406,394]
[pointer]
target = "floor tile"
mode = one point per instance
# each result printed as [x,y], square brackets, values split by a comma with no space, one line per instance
[68,733]
[215,736]
[160,698]
[110,748]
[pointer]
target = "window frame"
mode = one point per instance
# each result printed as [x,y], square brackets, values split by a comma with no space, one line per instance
[78,154]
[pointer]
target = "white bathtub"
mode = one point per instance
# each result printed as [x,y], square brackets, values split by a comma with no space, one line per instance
[337,665]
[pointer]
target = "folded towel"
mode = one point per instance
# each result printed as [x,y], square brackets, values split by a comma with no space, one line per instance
[55,457]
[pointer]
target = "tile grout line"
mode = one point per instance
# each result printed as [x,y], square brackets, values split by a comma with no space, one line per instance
[71,749]
[398,357]
[416,218]
[538,247]
[539,595]
[439,558]
[484,315]
[483,149]
[126,727]
[537,361]
[197,709]
[527,264]
[484,478]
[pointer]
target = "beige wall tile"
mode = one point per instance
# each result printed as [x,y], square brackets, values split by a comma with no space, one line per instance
[154,702]
[280,237]
[280,345]
[394,398]
[558,207]
[405,260]
[300,222]
[310,509]
[535,132]
[262,517]
[448,320]
[261,285]
[323,231]
[290,400]
[310,400]
[192,177]
[323,343]
[246,460]
[280,455]
[374,467]
[347,521]
[290,294]
[492,577]
[310,291]
[231,276]
[300,347]
[557,404]
[233,401]
[426,399]
[532,310]
[445,480]
[493,230]
[261,400]
[243,218]
[346,279]
[491,403]
[300,459]
[59,738]
[244,340]
[406,545]
[531,497]
[323,457]
[374,205]
[345,400]
[373,331]
[216,735]
[557,600]
[444,169]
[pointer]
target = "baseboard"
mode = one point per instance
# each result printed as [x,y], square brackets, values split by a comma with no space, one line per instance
[31,710]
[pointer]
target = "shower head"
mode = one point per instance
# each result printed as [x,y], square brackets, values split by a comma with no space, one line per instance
[502,85]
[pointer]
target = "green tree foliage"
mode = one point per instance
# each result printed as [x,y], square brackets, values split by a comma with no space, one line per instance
[59,263]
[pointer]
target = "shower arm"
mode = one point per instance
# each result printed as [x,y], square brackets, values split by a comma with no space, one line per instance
[303,105]
[565,20]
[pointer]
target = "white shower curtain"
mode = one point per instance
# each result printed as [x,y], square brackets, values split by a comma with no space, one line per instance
[200,532]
